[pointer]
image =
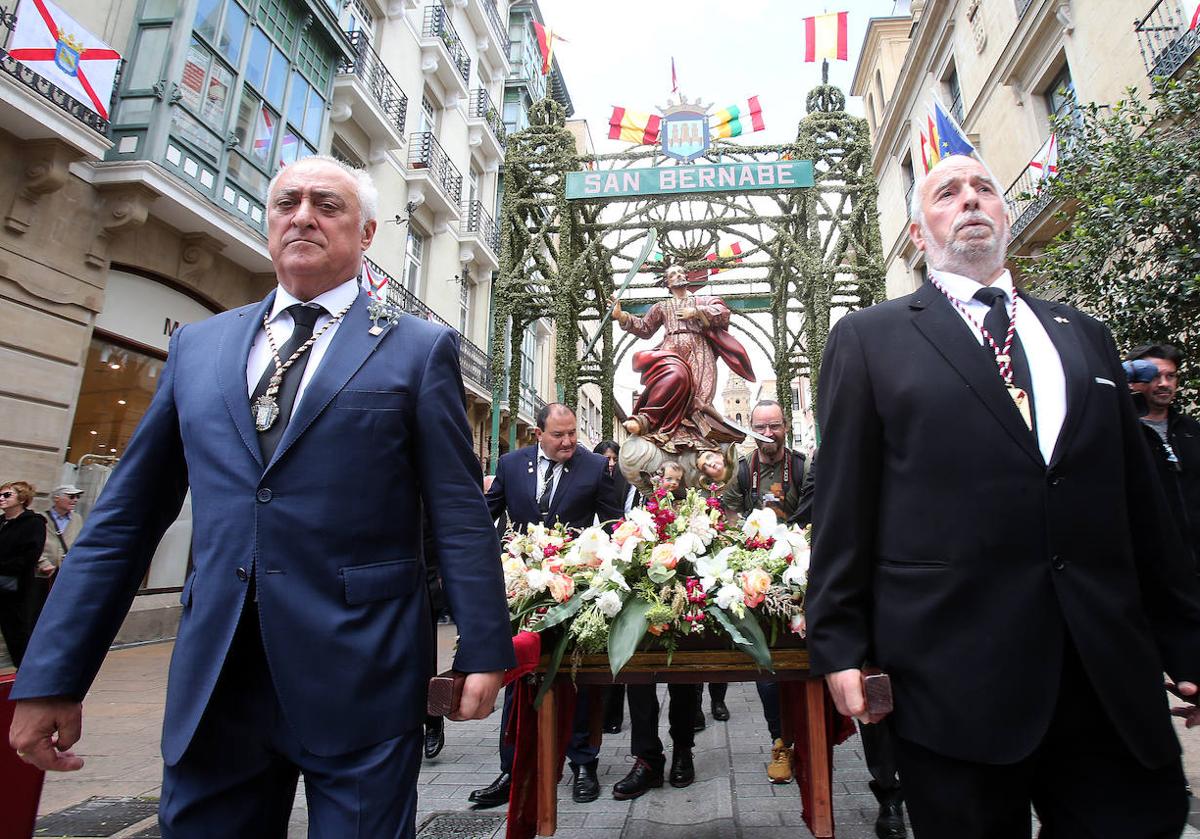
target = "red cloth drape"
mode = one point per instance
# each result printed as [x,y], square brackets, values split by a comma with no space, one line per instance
[667,388]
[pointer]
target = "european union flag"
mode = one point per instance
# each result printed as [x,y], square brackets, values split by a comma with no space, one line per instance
[951,139]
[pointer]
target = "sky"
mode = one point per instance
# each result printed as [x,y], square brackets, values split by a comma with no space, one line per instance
[618,53]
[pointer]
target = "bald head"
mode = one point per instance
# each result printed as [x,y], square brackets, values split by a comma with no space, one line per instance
[962,221]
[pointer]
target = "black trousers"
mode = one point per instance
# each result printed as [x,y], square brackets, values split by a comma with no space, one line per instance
[1082,780]
[643,721]
[14,622]
[879,751]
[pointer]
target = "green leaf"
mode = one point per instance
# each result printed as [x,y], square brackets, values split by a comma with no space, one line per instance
[747,635]
[560,613]
[556,658]
[627,630]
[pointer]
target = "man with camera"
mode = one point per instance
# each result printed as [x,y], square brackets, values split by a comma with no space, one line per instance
[1174,437]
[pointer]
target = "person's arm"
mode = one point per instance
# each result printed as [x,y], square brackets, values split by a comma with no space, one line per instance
[845,517]
[733,498]
[642,327]
[497,502]
[803,514]
[467,547]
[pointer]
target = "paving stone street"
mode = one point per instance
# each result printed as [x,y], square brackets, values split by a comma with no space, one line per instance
[731,798]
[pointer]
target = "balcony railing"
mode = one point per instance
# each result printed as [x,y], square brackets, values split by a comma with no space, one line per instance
[1165,39]
[1023,7]
[498,27]
[482,107]
[424,152]
[368,66]
[44,88]
[1026,198]
[474,361]
[475,219]
[437,25]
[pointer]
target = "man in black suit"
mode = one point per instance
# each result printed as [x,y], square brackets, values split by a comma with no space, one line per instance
[987,530]
[556,480]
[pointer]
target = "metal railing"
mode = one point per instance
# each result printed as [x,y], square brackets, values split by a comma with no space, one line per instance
[1165,39]
[369,67]
[1023,7]
[481,106]
[475,219]
[1026,198]
[437,25]
[498,27]
[424,152]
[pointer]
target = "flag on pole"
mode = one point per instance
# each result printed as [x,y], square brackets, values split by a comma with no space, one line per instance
[546,38]
[49,41]
[727,252]
[633,126]
[1191,13]
[825,36]
[373,283]
[950,138]
[1044,165]
[674,78]
[737,119]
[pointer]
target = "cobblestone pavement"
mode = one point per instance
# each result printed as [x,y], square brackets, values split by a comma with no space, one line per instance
[731,798]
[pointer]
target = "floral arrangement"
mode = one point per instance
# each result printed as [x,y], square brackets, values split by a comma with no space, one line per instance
[669,569]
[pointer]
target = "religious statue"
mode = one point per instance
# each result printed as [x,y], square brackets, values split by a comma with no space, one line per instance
[675,411]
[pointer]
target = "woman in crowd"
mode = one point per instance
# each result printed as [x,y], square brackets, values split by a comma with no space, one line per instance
[22,537]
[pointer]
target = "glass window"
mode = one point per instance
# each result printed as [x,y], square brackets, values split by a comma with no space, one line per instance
[289,147]
[296,99]
[256,60]
[159,9]
[276,78]
[464,305]
[314,115]
[134,111]
[414,251]
[428,123]
[233,33]
[147,67]
[195,70]
[216,100]
[208,16]
[189,128]
[248,177]
[1060,95]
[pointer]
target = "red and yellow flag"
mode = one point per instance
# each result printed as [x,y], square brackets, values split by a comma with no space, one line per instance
[825,36]
[546,38]
[633,126]
[726,252]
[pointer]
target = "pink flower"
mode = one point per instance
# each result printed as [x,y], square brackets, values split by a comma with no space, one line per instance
[664,555]
[755,583]
[561,587]
[550,550]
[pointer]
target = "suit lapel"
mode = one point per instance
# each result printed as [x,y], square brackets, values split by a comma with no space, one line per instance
[564,481]
[351,346]
[1065,337]
[232,357]
[943,327]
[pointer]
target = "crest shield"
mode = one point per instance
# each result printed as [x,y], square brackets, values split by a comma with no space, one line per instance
[685,134]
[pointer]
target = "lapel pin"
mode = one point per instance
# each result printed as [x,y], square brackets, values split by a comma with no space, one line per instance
[382,315]
[1061,319]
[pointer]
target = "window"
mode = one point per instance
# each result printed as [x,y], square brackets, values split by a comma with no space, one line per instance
[472,183]
[514,113]
[464,305]
[954,94]
[356,17]
[342,152]
[428,117]
[908,179]
[1060,93]
[414,253]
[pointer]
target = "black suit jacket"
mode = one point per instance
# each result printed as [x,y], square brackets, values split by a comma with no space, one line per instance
[584,491]
[948,552]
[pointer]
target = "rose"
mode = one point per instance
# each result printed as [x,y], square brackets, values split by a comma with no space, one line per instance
[755,583]
[796,624]
[555,565]
[664,555]
[658,628]
[561,587]
[609,604]
[626,529]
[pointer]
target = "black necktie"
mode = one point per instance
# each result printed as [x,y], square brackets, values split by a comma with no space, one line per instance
[548,485]
[305,318]
[996,323]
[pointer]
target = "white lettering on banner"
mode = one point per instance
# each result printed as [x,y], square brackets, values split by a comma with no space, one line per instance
[611,184]
[687,179]
[706,178]
[785,176]
[726,177]
[766,175]
[658,180]
[666,178]
[592,183]
[747,177]
[633,182]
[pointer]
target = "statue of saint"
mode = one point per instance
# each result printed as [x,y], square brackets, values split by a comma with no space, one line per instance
[675,410]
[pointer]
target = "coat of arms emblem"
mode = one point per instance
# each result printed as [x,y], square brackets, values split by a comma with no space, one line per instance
[66,53]
[685,132]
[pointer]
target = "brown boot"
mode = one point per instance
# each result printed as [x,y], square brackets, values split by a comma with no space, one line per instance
[779,770]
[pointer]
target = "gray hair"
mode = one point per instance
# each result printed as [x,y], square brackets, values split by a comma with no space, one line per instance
[368,195]
[916,213]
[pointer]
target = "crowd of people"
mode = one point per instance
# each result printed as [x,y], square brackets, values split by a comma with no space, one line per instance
[993,525]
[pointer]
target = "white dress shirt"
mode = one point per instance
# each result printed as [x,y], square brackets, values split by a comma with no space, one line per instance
[281,325]
[542,460]
[1045,365]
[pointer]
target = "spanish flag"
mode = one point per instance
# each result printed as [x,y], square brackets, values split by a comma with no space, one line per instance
[546,38]
[633,126]
[825,37]
[733,251]
[737,119]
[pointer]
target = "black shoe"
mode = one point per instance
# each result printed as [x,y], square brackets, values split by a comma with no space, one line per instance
[494,794]
[641,778]
[720,712]
[890,822]
[683,771]
[435,736]
[612,728]
[585,787]
[699,724]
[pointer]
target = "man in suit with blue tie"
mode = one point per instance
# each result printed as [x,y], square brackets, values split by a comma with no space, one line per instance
[312,435]
[555,480]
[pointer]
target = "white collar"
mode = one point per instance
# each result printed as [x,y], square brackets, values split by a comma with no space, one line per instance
[963,288]
[333,301]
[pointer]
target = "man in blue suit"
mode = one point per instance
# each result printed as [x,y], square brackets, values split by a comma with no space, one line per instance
[312,435]
[556,480]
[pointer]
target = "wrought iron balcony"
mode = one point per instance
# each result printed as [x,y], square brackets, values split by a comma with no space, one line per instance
[498,27]
[475,219]
[1026,198]
[1165,38]
[368,67]
[424,152]
[480,106]
[437,25]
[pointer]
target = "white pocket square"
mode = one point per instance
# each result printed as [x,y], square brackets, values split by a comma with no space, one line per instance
[1108,382]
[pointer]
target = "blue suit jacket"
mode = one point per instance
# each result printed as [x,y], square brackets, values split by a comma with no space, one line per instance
[330,529]
[585,490]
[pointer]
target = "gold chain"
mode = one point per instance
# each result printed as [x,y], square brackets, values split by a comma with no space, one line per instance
[282,366]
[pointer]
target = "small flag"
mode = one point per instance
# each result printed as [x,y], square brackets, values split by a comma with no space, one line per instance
[374,284]
[1044,165]
[737,119]
[1191,12]
[825,36]
[925,153]
[50,42]
[633,126]
[932,155]
[727,252]
[546,38]
[674,79]
[949,138]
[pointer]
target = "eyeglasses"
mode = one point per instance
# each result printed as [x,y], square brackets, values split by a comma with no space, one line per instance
[7,494]
[761,429]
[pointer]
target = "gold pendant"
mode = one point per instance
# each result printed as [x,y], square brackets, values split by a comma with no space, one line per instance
[266,411]
[1021,399]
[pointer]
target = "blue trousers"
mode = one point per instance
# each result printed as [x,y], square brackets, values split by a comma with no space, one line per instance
[238,777]
[579,750]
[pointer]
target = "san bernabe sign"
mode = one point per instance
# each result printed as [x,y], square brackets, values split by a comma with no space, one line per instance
[666,180]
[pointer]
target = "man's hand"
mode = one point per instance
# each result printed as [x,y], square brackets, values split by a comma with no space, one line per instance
[478,696]
[615,302]
[44,730]
[1191,711]
[846,686]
